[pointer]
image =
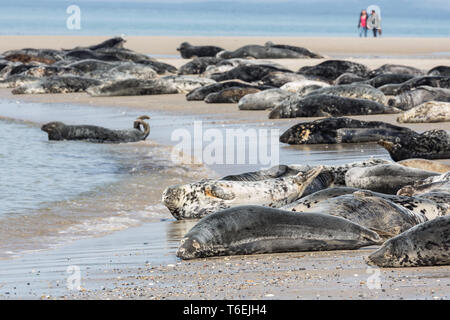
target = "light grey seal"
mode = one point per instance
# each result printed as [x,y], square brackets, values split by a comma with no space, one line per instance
[385,178]
[267,52]
[433,144]
[186,84]
[396,69]
[427,244]
[196,200]
[428,112]
[133,87]
[324,105]
[415,97]
[64,84]
[267,99]
[358,91]
[425,164]
[279,78]
[257,230]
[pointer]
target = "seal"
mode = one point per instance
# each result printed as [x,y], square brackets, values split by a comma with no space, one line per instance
[440,183]
[246,72]
[433,144]
[305,52]
[388,78]
[348,78]
[357,91]
[229,95]
[299,85]
[267,99]
[425,164]
[341,130]
[439,71]
[133,87]
[396,69]
[201,93]
[256,230]
[279,78]
[188,51]
[385,178]
[196,200]
[325,105]
[427,244]
[377,214]
[28,58]
[60,131]
[415,97]
[266,52]
[116,42]
[428,112]
[64,84]
[431,81]
[331,69]
[186,84]
[198,65]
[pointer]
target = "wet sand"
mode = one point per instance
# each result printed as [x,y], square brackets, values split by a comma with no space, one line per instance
[116,266]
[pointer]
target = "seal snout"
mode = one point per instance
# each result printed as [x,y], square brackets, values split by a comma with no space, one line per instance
[189,249]
[171,197]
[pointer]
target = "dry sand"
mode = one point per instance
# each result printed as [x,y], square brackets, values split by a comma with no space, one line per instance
[320,275]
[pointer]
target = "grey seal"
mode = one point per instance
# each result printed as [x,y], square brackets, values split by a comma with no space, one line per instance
[201,93]
[396,69]
[415,97]
[431,81]
[331,69]
[57,84]
[357,91]
[431,111]
[188,51]
[267,52]
[133,87]
[198,65]
[247,72]
[267,99]
[257,230]
[229,95]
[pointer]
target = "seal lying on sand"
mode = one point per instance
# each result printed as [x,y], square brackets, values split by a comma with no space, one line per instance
[384,178]
[439,71]
[425,165]
[133,87]
[185,84]
[305,52]
[64,84]
[427,244]
[247,72]
[431,111]
[267,99]
[331,69]
[431,81]
[341,130]
[357,91]
[433,144]
[267,52]
[388,78]
[229,95]
[380,215]
[348,78]
[198,65]
[27,58]
[256,230]
[196,200]
[410,99]
[279,78]
[396,69]
[188,51]
[201,93]
[116,42]
[435,184]
[323,105]
[60,131]
[299,85]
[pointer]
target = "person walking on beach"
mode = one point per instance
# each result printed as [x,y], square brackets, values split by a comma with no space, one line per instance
[373,23]
[362,23]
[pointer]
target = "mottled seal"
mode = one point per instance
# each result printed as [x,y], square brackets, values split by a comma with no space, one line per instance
[198,65]
[415,97]
[60,131]
[265,52]
[427,244]
[63,84]
[201,93]
[279,78]
[267,99]
[188,51]
[331,69]
[256,230]
[186,84]
[341,130]
[357,91]
[431,111]
[425,164]
[297,86]
[196,200]
[396,69]
[324,105]
[433,144]
[229,95]
[133,87]
[246,72]
[386,218]
[384,178]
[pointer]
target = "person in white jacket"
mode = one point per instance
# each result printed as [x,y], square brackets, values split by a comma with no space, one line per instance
[373,23]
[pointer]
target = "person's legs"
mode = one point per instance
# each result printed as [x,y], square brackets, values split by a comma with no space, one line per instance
[365,32]
[374,32]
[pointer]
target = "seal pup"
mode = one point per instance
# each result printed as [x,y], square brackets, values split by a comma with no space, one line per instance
[427,244]
[431,111]
[229,95]
[60,131]
[385,178]
[331,69]
[63,84]
[198,65]
[433,144]
[410,99]
[201,92]
[357,91]
[246,72]
[188,51]
[263,100]
[386,218]
[341,130]
[395,69]
[196,200]
[325,105]
[133,87]
[425,164]
[256,230]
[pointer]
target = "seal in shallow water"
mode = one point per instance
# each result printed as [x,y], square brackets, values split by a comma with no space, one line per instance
[433,144]
[60,131]
[196,200]
[256,230]
[427,244]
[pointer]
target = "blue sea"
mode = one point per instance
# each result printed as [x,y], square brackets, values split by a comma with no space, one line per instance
[400,18]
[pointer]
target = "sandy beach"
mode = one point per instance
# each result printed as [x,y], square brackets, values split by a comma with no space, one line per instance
[117,265]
